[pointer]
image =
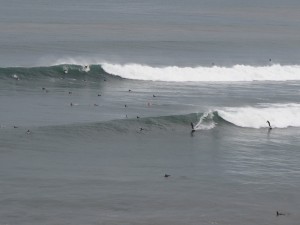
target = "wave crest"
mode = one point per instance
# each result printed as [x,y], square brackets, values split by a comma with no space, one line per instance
[274,72]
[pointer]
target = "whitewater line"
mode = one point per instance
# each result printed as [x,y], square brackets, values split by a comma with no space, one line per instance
[235,73]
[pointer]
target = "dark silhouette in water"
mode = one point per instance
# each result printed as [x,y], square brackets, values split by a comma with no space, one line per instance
[193,129]
[279,214]
[269,124]
[167,175]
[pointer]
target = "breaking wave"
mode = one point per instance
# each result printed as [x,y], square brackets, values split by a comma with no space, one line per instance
[279,115]
[237,73]
[274,72]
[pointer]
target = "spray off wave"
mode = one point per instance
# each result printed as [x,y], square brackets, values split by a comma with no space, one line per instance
[236,73]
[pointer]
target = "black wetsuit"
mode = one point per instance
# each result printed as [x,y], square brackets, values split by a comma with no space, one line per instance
[193,129]
[269,124]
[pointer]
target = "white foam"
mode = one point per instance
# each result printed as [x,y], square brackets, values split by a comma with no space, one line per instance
[206,121]
[179,74]
[85,68]
[279,115]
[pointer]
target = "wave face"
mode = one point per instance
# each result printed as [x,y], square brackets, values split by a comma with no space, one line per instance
[59,71]
[215,73]
[279,115]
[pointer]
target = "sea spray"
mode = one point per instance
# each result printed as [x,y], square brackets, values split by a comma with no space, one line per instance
[206,121]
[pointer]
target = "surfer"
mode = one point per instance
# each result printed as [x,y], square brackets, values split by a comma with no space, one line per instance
[279,214]
[269,124]
[154,96]
[167,175]
[193,129]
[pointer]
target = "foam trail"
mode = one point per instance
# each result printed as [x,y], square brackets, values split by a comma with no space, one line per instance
[274,72]
[280,116]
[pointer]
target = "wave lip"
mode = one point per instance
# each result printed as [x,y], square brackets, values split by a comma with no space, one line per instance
[235,73]
[279,115]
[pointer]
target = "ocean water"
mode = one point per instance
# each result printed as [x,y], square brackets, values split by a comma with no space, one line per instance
[97,100]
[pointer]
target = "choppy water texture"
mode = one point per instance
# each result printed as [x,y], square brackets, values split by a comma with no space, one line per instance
[97,100]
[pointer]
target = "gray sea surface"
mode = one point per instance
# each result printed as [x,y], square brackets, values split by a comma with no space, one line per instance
[81,146]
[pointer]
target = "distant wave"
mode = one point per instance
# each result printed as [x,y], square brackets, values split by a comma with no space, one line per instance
[237,73]
[222,74]
[58,71]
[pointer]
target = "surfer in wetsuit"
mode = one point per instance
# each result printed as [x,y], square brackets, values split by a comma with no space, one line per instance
[193,129]
[269,124]
[279,214]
